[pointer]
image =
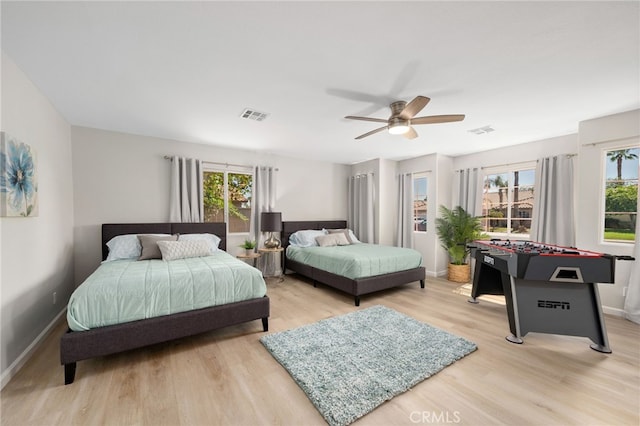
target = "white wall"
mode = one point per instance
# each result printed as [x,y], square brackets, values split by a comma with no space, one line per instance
[515,154]
[36,253]
[597,136]
[125,178]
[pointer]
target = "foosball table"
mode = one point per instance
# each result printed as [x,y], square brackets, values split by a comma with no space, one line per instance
[547,288]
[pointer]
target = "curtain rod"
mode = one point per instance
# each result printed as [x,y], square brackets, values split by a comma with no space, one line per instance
[167,157]
[516,163]
[629,138]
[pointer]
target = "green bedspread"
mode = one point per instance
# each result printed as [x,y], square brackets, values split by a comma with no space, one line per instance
[357,260]
[124,290]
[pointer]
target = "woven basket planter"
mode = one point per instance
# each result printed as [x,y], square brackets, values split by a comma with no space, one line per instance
[459,273]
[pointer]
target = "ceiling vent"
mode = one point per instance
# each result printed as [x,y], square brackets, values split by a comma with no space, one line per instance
[252,114]
[482,130]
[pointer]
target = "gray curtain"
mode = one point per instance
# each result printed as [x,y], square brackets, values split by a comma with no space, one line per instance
[263,199]
[632,299]
[553,212]
[361,207]
[405,211]
[468,191]
[185,195]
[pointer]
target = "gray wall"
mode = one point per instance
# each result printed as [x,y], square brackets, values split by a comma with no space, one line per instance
[36,253]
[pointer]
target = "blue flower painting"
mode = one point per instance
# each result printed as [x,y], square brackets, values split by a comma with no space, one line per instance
[18,178]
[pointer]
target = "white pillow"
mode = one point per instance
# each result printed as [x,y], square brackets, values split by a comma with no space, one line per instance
[172,250]
[352,237]
[124,247]
[305,238]
[211,239]
[330,240]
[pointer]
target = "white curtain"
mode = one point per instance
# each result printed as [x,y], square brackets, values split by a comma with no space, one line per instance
[467,189]
[632,299]
[360,209]
[263,200]
[553,212]
[186,190]
[405,211]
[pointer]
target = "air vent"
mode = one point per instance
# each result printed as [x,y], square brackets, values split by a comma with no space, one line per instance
[252,114]
[482,130]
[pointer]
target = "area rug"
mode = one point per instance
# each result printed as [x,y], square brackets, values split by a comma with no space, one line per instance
[350,364]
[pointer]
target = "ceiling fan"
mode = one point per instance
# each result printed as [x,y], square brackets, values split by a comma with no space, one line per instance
[402,118]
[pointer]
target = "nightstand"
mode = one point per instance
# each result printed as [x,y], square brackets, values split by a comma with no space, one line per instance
[272,253]
[254,257]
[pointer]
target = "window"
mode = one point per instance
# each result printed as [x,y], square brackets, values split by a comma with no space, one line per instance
[507,202]
[621,195]
[419,203]
[227,198]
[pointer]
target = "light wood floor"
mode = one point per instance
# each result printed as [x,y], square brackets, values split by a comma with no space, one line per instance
[226,377]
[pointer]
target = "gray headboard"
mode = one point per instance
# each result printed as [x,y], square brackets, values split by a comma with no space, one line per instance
[110,230]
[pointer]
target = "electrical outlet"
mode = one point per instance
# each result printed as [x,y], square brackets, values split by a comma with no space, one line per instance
[55,297]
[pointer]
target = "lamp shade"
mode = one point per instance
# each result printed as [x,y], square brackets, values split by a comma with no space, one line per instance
[271,222]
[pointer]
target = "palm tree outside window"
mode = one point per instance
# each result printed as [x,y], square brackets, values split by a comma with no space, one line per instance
[621,195]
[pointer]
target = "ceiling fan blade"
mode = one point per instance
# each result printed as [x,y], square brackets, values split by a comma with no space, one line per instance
[372,132]
[414,107]
[379,100]
[411,134]
[377,120]
[434,119]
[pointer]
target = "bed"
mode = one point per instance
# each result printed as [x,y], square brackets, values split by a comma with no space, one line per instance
[356,287]
[79,345]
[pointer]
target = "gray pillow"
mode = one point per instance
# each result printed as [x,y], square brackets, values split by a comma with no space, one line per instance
[341,231]
[149,243]
[330,240]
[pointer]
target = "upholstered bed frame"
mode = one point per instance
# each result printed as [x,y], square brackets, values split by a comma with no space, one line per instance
[78,345]
[354,287]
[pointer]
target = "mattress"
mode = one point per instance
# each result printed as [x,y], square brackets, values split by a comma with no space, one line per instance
[128,290]
[357,260]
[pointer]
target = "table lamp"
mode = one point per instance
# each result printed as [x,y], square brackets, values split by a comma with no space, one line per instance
[271,222]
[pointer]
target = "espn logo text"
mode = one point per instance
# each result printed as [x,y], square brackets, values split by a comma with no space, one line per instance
[553,304]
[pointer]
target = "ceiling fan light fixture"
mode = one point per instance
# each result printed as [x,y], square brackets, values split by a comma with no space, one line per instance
[403,118]
[399,127]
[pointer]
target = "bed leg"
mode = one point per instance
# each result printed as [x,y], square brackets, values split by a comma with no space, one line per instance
[69,373]
[421,283]
[315,283]
[357,300]
[265,324]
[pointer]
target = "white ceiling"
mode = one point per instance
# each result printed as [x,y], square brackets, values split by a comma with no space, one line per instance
[186,71]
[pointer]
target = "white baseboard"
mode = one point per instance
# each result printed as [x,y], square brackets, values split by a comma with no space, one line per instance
[16,365]
[430,274]
[613,311]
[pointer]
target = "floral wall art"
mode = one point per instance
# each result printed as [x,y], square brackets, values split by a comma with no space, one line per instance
[18,178]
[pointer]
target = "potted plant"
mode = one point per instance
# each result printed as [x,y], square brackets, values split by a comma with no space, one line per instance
[249,246]
[456,228]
